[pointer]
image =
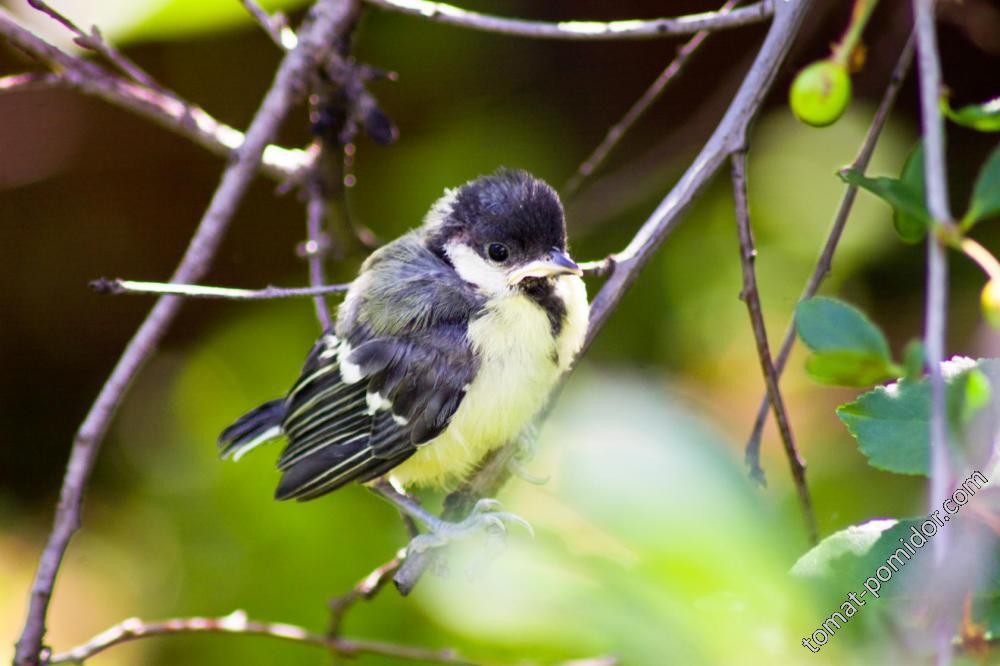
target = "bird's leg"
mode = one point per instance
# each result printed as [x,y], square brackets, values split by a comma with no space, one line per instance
[486,516]
[526,448]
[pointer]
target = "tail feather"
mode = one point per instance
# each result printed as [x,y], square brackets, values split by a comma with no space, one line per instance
[252,429]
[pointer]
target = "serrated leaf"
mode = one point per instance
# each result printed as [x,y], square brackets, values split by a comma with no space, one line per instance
[829,325]
[984,117]
[848,557]
[898,194]
[911,228]
[891,426]
[891,423]
[986,192]
[850,368]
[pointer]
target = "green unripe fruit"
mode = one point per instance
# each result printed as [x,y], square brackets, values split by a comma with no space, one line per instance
[820,93]
[990,299]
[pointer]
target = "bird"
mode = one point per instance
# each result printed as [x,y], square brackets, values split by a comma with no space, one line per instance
[446,346]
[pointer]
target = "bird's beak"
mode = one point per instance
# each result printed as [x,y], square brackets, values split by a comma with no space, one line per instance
[555,263]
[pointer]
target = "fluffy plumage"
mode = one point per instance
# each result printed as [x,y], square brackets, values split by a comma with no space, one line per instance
[441,351]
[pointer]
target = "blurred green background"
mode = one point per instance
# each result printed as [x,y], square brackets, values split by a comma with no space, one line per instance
[651,543]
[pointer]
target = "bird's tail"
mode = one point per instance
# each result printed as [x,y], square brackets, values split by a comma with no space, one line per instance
[252,429]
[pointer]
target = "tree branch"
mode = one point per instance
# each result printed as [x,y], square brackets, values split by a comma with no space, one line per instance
[364,590]
[238,623]
[116,287]
[751,296]
[728,136]
[825,261]
[638,109]
[440,12]
[275,26]
[321,26]
[315,250]
[936,312]
[164,108]
[95,42]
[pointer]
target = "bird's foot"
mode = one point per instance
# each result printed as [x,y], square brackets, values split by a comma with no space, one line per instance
[487,517]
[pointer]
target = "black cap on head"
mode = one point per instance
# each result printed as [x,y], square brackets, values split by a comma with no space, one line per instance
[510,208]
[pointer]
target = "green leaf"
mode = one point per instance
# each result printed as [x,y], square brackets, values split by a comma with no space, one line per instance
[986,192]
[849,557]
[911,228]
[829,325]
[891,426]
[984,117]
[850,368]
[891,423]
[898,194]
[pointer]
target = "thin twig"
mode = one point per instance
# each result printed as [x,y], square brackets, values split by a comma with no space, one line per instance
[28,81]
[636,111]
[315,250]
[825,261]
[275,26]
[238,623]
[936,314]
[364,590]
[440,12]
[728,136]
[164,108]
[751,296]
[95,42]
[624,267]
[316,36]
[116,286]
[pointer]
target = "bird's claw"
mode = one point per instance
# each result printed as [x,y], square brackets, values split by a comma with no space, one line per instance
[487,516]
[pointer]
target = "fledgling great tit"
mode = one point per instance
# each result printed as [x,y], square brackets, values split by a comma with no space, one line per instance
[445,347]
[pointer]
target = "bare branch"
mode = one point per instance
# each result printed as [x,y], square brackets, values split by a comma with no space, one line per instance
[729,135]
[825,261]
[320,30]
[117,286]
[162,107]
[95,42]
[751,296]
[238,623]
[936,312]
[28,81]
[636,111]
[275,26]
[440,12]
[364,590]
[624,267]
[315,250]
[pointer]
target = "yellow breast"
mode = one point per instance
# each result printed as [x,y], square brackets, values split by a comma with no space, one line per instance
[520,363]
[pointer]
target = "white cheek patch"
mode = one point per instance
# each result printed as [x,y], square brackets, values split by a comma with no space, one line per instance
[475,270]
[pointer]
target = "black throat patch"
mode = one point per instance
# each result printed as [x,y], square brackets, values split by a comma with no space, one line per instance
[543,292]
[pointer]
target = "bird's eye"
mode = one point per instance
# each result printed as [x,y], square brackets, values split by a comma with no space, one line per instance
[498,252]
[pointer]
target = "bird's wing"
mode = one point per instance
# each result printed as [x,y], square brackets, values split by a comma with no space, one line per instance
[403,348]
[409,388]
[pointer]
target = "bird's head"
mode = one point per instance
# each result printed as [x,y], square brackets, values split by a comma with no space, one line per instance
[502,232]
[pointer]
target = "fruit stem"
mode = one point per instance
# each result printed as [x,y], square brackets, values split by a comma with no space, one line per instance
[981,256]
[842,50]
